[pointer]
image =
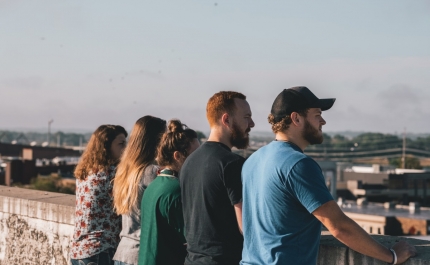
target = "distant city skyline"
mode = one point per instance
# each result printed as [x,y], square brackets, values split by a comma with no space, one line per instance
[89,63]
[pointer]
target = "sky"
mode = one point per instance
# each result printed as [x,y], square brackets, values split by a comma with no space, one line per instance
[87,63]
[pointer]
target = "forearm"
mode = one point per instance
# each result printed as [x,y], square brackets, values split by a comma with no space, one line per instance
[352,235]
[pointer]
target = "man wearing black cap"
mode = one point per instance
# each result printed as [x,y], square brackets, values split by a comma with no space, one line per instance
[285,198]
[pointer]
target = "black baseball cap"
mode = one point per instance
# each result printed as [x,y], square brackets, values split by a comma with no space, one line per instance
[297,99]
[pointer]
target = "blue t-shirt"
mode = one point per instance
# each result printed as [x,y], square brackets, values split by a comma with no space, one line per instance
[281,188]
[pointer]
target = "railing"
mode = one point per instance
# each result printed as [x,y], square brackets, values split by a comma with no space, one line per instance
[36,227]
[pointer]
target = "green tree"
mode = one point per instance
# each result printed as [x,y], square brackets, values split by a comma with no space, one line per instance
[378,141]
[422,143]
[410,162]
[340,141]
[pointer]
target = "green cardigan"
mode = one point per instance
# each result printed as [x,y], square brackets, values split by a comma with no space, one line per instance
[162,239]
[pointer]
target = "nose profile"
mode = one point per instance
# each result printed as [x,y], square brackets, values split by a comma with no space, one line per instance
[251,124]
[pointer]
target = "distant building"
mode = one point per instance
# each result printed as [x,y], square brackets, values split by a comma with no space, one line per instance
[20,163]
[384,183]
[388,218]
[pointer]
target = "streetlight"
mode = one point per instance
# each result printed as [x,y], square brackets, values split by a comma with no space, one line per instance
[49,129]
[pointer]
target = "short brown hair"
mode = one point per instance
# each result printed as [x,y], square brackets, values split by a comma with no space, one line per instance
[285,122]
[220,103]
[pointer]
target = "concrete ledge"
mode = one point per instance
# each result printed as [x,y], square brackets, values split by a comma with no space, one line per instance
[49,206]
[36,228]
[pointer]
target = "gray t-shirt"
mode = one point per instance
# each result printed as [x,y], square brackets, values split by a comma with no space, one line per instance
[128,248]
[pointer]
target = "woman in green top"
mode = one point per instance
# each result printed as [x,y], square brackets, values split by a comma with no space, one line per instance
[162,240]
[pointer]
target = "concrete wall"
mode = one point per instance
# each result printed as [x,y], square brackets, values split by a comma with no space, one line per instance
[36,228]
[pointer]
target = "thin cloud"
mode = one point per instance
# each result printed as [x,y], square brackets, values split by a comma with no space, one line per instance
[33,82]
[400,95]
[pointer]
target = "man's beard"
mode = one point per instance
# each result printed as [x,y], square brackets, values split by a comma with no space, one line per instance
[311,134]
[239,139]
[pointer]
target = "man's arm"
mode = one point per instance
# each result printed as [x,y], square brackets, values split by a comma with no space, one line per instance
[351,234]
[238,211]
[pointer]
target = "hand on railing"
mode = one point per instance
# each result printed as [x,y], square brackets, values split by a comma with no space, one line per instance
[404,251]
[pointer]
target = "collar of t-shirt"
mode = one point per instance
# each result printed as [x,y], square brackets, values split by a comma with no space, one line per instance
[218,143]
[293,145]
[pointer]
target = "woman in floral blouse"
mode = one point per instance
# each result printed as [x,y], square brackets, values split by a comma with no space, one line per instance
[97,226]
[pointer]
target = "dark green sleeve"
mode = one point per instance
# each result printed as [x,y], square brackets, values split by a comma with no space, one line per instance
[171,210]
[176,218]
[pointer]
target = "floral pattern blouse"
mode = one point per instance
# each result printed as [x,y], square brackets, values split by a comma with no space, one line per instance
[97,226]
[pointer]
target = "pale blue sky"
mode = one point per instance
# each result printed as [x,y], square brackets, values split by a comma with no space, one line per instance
[85,63]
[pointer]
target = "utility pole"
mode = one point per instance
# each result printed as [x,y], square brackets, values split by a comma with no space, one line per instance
[49,129]
[404,149]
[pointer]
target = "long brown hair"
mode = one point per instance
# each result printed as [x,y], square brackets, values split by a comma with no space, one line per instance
[140,152]
[97,155]
[177,138]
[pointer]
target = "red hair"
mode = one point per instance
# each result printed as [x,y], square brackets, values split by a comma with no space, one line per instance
[220,103]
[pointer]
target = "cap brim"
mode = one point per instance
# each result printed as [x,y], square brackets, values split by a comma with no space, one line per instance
[326,103]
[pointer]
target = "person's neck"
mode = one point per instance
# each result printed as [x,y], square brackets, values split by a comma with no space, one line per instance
[292,138]
[173,169]
[217,135]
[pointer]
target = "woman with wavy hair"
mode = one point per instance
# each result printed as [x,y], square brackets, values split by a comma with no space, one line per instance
[97,226]
[135,171]
[162,238]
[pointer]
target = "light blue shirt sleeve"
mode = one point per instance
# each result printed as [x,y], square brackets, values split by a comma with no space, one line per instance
[308,184]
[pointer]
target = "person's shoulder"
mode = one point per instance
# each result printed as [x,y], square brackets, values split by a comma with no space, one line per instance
[164,184]
[229,158]
[262,151]
[234,160]
[165,187]
[148,174]
[172,187]
[214,147]
[297,156]
[214,151]
[151,169]
[291,157]
[96,176]
[305,163]
[306,160]
[279,151]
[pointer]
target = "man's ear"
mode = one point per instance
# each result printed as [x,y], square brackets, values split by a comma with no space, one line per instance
[295,118]
[226,120]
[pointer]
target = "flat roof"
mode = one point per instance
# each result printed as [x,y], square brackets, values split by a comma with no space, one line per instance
[379,210]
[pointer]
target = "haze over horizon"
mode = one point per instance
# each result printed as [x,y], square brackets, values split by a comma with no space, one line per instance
[89,63]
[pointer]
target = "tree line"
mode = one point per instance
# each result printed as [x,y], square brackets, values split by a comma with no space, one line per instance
[58,138]
[372,141]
